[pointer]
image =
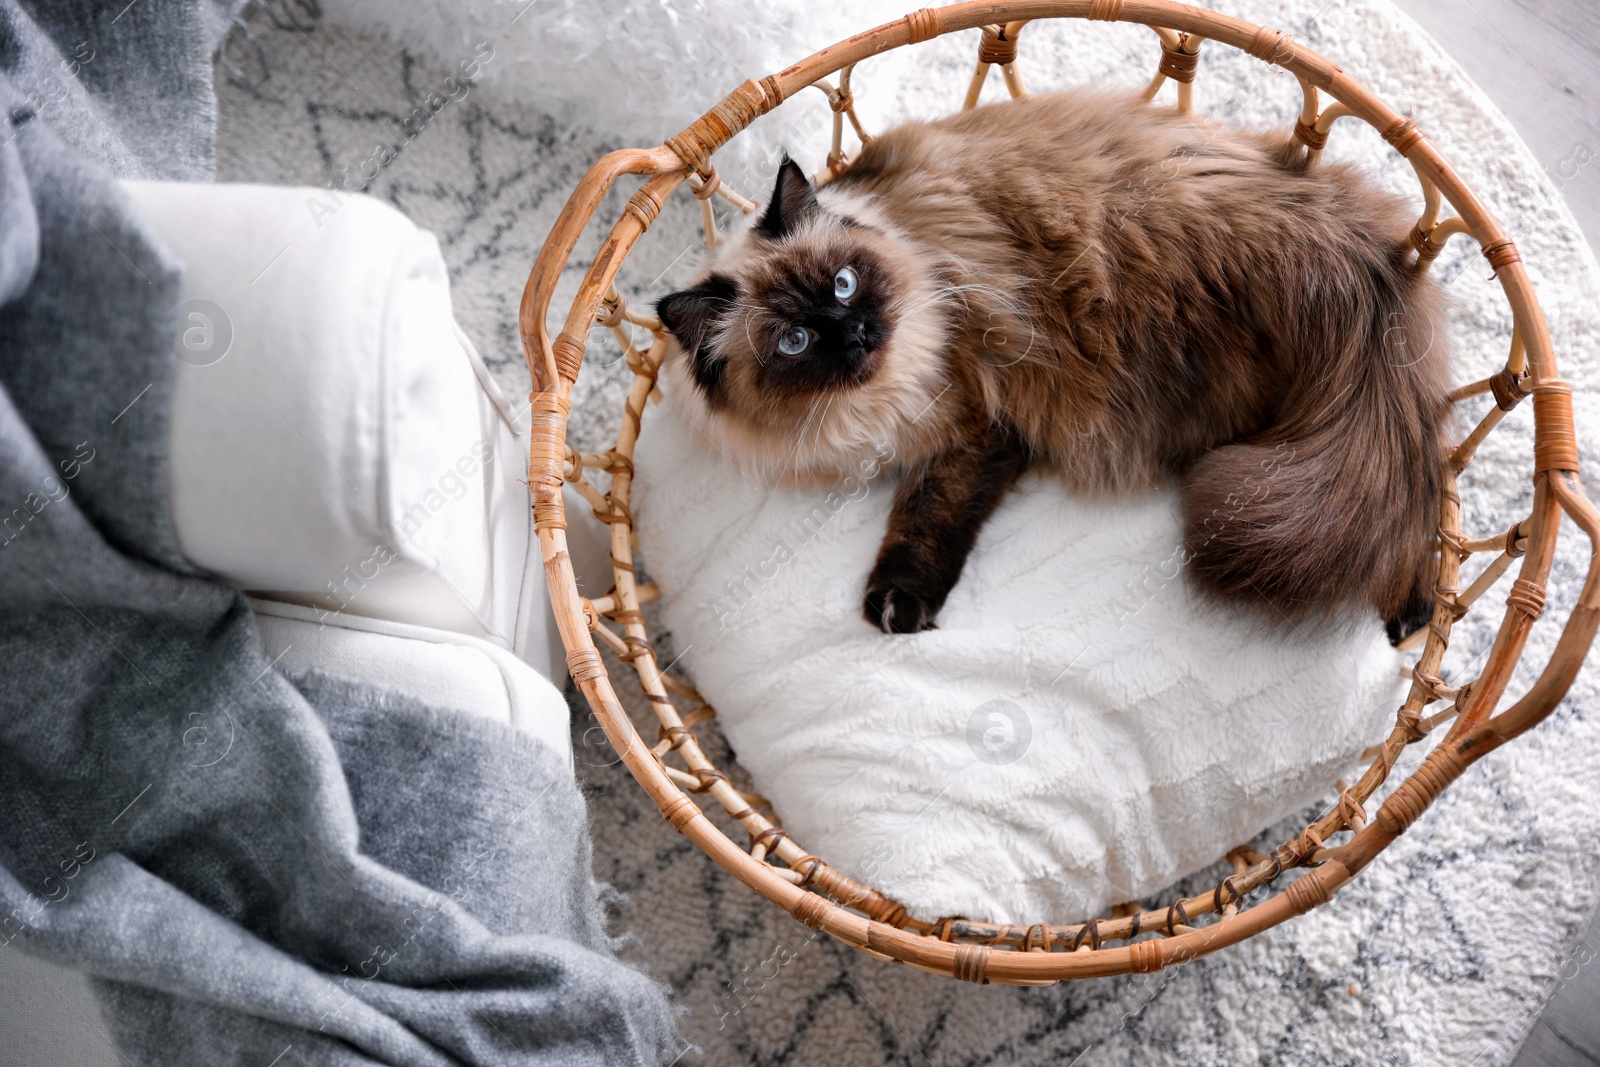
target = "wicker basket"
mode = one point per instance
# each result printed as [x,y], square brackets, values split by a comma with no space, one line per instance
[673,769]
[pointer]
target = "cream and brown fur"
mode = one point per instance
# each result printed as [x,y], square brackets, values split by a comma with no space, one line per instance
[1116,292]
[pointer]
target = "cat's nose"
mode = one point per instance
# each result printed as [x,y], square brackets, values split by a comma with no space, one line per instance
[856,334]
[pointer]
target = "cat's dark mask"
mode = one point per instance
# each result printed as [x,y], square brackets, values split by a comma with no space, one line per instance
[829,291]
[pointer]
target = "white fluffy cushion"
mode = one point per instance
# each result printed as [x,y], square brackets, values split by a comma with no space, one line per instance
[1081,730]
[335,439]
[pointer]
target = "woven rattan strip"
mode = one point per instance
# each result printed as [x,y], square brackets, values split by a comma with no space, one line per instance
[996,49]
[1403,133]
[1501,254]
[1268,44]
[1179,65]
[1313,139]
[1556,441]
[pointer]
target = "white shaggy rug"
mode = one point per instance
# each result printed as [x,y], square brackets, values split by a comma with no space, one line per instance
[1441,953]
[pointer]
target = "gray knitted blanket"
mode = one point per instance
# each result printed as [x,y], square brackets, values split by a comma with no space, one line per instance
[250,865]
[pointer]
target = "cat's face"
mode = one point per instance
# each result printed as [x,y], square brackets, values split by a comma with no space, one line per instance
[798,338]
[801,303]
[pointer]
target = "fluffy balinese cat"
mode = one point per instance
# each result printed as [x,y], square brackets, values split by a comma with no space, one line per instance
[1118,293]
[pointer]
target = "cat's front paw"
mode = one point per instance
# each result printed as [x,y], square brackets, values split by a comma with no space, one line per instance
[897,606]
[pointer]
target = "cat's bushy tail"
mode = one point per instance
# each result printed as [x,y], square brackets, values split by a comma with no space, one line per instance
[1338,501]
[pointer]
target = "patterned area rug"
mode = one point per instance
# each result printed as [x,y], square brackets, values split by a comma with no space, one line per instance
[1443,952]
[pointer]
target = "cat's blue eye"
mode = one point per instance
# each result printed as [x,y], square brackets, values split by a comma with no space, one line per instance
[844,283]
[794,340]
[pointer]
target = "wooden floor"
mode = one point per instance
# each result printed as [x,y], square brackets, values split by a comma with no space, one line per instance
[1539,60]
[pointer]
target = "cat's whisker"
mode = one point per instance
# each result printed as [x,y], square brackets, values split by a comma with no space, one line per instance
[800,437]
[959,293]
[748,314]
[822,422]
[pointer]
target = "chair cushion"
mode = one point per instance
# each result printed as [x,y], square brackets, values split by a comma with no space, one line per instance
[438,667]
[336,440]
[1081,730]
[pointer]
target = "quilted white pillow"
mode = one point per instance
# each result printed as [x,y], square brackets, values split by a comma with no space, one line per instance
[1081,730]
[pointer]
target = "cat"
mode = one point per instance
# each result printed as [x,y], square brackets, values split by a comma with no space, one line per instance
[1119,293]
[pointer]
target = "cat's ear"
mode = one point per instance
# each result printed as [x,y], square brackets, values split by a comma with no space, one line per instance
[690,315]
[793,201]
